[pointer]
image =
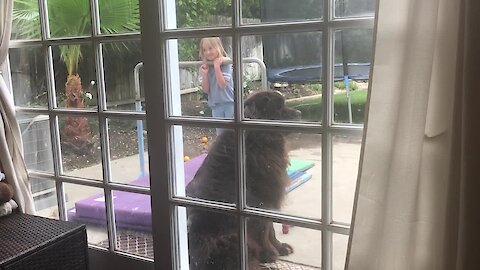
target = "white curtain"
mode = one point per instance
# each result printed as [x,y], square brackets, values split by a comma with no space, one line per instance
[417,193]
[11,149]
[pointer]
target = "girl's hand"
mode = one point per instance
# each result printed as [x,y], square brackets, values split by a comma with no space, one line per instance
[204,69]
[218,61]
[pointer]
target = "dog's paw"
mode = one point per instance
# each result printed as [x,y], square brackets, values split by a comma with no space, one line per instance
[268,256]
[285,249]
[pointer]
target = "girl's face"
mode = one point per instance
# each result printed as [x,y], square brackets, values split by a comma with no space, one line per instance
[210,52]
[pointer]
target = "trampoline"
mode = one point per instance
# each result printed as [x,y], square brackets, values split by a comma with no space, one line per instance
[313,73]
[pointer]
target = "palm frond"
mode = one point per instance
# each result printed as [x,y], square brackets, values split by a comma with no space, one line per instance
[26,20]
[119,16]
[71,56]
[69,18]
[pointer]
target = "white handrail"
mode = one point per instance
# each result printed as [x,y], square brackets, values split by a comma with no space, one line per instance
[184,64]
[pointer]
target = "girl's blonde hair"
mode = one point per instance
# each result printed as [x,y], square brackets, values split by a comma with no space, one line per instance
[215,42]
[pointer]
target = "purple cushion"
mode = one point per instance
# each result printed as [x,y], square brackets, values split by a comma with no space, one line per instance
[132,210]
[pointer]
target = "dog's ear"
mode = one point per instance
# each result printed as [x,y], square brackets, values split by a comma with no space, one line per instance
[275,103]
[264,105]
[249,110]
[255,106]
[273,106]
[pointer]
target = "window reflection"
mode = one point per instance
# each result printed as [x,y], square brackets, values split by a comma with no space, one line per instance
[354,8]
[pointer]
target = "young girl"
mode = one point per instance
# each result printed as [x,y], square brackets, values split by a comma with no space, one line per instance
[217,79]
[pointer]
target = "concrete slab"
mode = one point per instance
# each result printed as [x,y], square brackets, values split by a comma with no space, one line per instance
[304,200]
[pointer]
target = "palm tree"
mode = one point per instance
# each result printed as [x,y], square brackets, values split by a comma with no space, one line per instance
[70,18]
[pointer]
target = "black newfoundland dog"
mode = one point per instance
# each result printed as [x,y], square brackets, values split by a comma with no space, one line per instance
[213,237]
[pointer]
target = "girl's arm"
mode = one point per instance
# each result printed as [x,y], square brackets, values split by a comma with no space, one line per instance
[222,83]
[205,83]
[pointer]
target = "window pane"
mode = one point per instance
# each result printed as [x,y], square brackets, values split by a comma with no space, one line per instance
[119,16]
[254,72]
[120,59]
[28,77]
[37,144]
[80,146]
[346,155]
[293,64]
[87,205]
[25,20]
[193,100]
[133,220]
[256,11]
[353,53]
[198,13]
[44,197]
[208,164]
[340,243]
[354,8]
[265,173]
[216,100]
[306,244]
[128,151]
[134,242]
[293,57]
[212,239]
[197,141]
[75,76]
[69,18]
[305,97]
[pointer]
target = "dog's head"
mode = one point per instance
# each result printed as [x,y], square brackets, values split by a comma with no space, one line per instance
[269,105]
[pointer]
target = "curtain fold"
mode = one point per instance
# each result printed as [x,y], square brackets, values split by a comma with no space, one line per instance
[463,216]
[12,163]
[414,156]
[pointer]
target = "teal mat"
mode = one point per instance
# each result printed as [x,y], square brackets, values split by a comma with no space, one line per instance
[298,165]
[304,177]
[297,172]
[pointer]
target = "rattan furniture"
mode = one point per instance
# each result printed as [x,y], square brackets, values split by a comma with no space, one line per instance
[32,242]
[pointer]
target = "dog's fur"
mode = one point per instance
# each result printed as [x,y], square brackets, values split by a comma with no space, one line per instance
[213,237]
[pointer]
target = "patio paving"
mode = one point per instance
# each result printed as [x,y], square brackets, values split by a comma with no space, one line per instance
[304,200]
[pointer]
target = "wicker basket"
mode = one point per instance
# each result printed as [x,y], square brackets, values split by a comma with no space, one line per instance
[32,242]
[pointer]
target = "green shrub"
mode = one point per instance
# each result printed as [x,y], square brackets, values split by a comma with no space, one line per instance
[317,87]
[353,86]
[311,108]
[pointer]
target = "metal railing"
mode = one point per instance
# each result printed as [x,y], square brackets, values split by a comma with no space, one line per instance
[184,64]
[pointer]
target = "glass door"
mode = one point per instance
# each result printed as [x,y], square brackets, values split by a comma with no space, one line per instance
[204,134]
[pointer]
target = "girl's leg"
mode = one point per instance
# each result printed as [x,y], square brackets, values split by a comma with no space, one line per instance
[228,110]
[217,112]
[224,110]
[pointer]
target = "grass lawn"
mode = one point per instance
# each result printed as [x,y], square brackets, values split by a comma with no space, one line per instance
[311,108]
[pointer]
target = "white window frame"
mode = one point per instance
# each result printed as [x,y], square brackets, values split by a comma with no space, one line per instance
[154,37]
[101,113]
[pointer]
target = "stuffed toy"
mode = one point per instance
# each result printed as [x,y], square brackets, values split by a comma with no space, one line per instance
[6,190]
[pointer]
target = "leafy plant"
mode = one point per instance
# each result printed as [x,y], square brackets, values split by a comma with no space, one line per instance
[70,19]
[188,49]
[196,13]
[341,85]
[249,86]
[317,87]
[193,13]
